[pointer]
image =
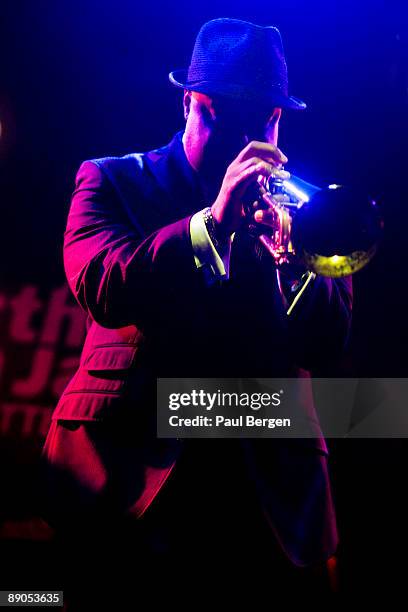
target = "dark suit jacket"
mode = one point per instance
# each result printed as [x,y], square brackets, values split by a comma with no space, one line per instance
[129,263]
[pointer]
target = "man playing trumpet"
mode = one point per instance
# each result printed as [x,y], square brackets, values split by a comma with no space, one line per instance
[157,253]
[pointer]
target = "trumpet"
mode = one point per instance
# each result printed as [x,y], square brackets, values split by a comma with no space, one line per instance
[334,231]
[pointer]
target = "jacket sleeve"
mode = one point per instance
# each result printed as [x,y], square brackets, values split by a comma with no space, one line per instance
[118,276]
[320,324]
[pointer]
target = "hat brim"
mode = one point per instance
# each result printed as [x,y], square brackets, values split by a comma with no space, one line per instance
[237,91]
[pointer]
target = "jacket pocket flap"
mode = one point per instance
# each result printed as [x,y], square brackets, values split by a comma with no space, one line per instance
[87,406]
[110,358]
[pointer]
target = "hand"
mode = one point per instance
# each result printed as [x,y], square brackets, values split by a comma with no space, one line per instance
[257,158]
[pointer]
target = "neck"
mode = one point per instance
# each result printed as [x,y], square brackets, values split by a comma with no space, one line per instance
[207,175]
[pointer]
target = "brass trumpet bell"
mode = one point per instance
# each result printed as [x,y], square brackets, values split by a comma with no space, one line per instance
[334,233]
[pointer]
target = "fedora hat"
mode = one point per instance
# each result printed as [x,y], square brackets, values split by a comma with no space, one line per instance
[240,60]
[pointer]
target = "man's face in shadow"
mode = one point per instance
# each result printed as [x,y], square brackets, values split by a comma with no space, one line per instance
[218,128]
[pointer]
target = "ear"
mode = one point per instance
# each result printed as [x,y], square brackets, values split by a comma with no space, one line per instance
[273,126]
[186,103]
[276,115]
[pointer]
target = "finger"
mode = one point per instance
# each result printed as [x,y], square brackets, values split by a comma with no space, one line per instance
[274,171]
[266,217]
[265,169]
[248,163]
[264,150]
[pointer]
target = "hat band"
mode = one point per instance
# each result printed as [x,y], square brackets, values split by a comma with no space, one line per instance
[216,74]
[254,88]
